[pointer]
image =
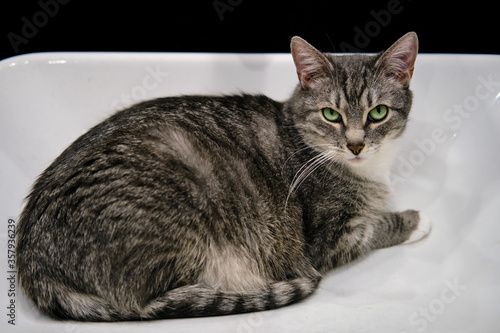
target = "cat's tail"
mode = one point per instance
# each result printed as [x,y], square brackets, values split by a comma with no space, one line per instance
[188,301]
[197,301]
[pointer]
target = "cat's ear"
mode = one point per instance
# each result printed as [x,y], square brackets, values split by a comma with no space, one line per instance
[399,60]
[312,66]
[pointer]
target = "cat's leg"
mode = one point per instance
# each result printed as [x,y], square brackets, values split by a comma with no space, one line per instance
[422,230]
[363,234]
[401,228]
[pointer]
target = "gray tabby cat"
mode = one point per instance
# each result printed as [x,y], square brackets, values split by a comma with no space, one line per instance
[198,206]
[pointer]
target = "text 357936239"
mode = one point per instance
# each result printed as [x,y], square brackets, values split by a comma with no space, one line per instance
[11,271]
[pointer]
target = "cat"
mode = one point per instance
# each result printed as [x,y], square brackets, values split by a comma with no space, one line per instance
[213,205]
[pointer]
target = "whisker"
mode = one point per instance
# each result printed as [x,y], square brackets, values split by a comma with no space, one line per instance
[301,150]
[307,169]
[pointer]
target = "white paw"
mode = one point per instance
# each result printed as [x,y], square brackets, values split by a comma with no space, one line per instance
[423,229]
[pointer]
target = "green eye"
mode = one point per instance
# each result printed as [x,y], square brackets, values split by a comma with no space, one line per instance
[378,113]
[332,115]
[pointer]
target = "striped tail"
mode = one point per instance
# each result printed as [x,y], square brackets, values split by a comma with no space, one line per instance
[197,301]
[183,302]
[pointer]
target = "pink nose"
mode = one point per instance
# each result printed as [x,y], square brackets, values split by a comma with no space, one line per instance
[356,149]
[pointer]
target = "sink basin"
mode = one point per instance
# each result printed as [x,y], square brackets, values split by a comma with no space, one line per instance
[448,167]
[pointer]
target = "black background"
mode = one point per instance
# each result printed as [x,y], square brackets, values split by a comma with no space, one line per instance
[245,25]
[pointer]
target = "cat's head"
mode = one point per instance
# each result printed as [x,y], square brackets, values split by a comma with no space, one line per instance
[353,108]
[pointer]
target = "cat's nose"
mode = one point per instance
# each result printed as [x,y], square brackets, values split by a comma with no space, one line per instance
[356,149]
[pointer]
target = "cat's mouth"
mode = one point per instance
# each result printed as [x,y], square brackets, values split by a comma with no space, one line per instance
[357,160]
[361,156]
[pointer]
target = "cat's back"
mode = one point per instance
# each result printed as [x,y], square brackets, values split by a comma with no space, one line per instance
[236,115]
[161,160]
[176,125]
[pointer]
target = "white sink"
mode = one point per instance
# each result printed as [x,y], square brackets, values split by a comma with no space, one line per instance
[448,167]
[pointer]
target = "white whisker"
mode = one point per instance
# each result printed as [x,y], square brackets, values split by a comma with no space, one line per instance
[301,150]
[308,168]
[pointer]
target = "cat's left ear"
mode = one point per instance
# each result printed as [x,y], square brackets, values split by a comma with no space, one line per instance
[312,66]
[399,60]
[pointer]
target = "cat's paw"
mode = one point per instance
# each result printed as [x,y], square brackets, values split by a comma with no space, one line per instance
[423,229]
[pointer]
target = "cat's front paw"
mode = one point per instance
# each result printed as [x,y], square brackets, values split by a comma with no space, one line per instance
[422,230]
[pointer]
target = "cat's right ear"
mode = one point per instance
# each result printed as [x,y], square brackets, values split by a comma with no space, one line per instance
[398,62]
[312,66]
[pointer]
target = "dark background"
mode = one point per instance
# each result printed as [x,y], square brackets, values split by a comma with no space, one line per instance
[245,25]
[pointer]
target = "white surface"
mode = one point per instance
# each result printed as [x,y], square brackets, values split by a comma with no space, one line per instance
[448,167]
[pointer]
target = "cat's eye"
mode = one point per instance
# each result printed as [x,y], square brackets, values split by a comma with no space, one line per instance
[378,113]
[331,115]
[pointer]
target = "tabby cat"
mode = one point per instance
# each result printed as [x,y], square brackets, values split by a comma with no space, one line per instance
[212,205]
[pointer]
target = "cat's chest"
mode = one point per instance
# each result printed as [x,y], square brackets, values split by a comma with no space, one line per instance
[340,196]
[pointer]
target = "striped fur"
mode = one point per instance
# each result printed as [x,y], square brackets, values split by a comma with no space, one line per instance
[202,205]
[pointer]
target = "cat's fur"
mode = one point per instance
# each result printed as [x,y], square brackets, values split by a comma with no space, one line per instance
[198,206]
